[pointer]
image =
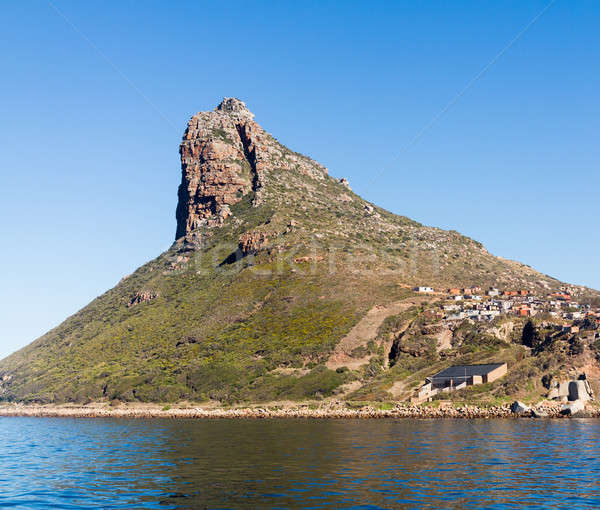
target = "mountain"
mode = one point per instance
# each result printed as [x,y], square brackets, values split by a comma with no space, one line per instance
[281,284]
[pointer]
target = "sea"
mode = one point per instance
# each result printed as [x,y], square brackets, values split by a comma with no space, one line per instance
[299,463]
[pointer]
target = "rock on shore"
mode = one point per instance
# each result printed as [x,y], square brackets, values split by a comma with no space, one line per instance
[334,410]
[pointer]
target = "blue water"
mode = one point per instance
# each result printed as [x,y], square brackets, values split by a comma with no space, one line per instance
[105,463]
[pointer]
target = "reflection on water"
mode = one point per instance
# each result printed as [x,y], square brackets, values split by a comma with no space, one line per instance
[78,463]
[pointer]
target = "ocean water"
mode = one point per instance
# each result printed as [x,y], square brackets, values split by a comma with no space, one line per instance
[366,464]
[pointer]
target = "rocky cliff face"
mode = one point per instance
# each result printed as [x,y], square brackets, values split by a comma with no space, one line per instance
[218,165]
[225,155]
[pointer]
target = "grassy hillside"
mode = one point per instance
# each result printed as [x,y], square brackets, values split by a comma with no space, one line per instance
[205,320]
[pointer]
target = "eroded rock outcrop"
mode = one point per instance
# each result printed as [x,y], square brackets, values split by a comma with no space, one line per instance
[225,155]
[141,297]
[218,164]
[252,242]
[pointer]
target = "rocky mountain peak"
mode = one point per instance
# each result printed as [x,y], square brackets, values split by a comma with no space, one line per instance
[235,106]
[218,165]
[225,155]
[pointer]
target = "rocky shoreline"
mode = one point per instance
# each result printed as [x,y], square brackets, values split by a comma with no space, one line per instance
[337,410]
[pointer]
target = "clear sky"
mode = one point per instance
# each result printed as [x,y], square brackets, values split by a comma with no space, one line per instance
[463,115]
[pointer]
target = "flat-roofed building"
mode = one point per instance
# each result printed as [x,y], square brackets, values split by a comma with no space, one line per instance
[468,374]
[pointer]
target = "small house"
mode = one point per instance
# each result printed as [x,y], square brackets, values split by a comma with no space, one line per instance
[424,290]
[490,314]
[468,374]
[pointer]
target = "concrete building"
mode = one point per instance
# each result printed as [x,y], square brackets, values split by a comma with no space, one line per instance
[468,374]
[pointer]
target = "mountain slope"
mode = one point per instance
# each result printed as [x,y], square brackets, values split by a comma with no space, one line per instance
[274,263]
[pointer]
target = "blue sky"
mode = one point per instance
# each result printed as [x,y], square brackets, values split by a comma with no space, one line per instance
[96,95]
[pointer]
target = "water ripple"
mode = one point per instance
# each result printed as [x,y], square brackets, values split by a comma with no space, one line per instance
[326,464]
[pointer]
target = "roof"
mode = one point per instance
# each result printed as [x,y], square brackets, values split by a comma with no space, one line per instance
[459,371]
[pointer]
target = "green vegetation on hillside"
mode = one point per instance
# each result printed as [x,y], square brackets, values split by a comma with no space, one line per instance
[204,321]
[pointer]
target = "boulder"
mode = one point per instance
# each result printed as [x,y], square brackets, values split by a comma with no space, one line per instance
[519,408]
[252,242]
[142,297]
[573,408]
[344,182]
[539,413]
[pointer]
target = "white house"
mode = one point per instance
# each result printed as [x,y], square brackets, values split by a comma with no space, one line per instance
[425,290]
[490,314]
